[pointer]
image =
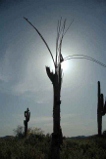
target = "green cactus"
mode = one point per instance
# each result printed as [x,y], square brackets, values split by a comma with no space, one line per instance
[101,109]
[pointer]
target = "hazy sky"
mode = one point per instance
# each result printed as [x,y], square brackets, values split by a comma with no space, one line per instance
[23,57]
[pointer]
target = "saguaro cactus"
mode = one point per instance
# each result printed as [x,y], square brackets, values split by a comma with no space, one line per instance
[27,118]
[101,109]
[56,79]
[56,135]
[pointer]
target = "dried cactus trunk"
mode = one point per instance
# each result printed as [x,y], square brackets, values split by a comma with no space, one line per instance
[57,133]
[56,121]
[56,79]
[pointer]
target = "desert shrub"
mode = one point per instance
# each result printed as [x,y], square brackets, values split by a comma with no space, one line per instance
[37,146]
[104,133]
[84,148]
[37,131]
[19,131]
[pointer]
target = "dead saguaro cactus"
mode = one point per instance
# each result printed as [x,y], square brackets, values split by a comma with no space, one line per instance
[101,109]
[56,79]
[27,118]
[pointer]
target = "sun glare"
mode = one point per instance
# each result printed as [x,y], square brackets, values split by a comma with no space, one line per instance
[65,66]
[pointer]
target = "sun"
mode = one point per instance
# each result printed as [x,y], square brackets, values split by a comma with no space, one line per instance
[65,65]
[68,65]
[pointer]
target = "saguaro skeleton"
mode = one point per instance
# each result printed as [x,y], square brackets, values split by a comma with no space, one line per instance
[56,79]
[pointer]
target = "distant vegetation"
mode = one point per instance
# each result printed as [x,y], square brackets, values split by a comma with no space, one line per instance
[37,146]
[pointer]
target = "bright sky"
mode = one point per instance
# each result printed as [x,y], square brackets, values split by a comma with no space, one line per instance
[23,57]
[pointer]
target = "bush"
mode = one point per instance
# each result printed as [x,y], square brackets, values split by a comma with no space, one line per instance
[104,133]
[19,131]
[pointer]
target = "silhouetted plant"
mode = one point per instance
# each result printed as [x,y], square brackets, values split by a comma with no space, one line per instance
[19,131]
[36,131]
[27,118]
[56,79]
[101,109]
[104,133]
[33,148]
